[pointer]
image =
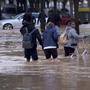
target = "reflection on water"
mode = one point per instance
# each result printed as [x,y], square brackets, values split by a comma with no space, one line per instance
[17,74]
[44,75]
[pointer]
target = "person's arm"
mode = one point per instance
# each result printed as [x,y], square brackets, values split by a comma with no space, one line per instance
[55,34]
[39,37]
[22,30]
[74,34]
[38,18]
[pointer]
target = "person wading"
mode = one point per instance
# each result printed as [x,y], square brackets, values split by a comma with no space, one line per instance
[30,25]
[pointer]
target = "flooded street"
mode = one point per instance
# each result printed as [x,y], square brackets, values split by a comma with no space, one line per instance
[16,74]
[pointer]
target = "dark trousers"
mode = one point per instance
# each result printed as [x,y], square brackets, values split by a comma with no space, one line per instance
[68,51]
[31,53]
[51,52]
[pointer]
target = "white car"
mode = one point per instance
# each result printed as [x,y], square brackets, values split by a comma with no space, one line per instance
[16,22]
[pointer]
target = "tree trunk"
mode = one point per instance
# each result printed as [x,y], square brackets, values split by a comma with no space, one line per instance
[71,7]
[55,4]
[47,2]
[31,3]
[37,5]
[89,11]
[0,11]
[10,1]
[76,4]
[43,17]
[64,3]
[21,5]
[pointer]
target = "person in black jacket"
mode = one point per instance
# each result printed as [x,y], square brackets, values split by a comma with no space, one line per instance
[28,22]
[42,18]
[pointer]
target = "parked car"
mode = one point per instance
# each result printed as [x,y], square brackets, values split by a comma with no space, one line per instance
[16,22]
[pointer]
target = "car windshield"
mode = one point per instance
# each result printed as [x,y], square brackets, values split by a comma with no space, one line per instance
[18,16]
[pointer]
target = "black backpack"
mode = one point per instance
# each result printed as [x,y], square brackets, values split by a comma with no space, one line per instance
[27,39]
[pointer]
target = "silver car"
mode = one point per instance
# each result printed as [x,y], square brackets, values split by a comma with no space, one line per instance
[16,22]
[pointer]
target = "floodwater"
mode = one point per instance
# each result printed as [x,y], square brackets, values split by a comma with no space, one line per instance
[63,74]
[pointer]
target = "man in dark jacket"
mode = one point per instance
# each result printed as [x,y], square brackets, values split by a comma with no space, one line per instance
[31,52]
[42,18]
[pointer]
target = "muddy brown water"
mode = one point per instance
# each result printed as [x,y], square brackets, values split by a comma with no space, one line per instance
[66,73]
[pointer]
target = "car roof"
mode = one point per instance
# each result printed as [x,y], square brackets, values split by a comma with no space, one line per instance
[34,14]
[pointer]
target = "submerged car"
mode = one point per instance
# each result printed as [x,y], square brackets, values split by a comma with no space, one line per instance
[16,22]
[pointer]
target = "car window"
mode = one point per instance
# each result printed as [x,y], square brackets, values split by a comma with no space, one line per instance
[18,16]
[21,17]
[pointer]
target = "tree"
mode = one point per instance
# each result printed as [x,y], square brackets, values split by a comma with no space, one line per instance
[10,1]
[89,10]
[37,5]
[0,9]
[47,2]
[64,3]
[71,7]
[43,15]
[55,4]
[76,15]
[21,5]
[31,3]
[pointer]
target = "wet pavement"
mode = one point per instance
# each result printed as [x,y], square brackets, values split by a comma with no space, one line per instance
[66,73]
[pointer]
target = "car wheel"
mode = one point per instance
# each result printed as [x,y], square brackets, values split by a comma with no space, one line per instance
[8,26]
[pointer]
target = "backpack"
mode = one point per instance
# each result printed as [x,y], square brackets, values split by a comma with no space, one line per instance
[63,38]
[27,39]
